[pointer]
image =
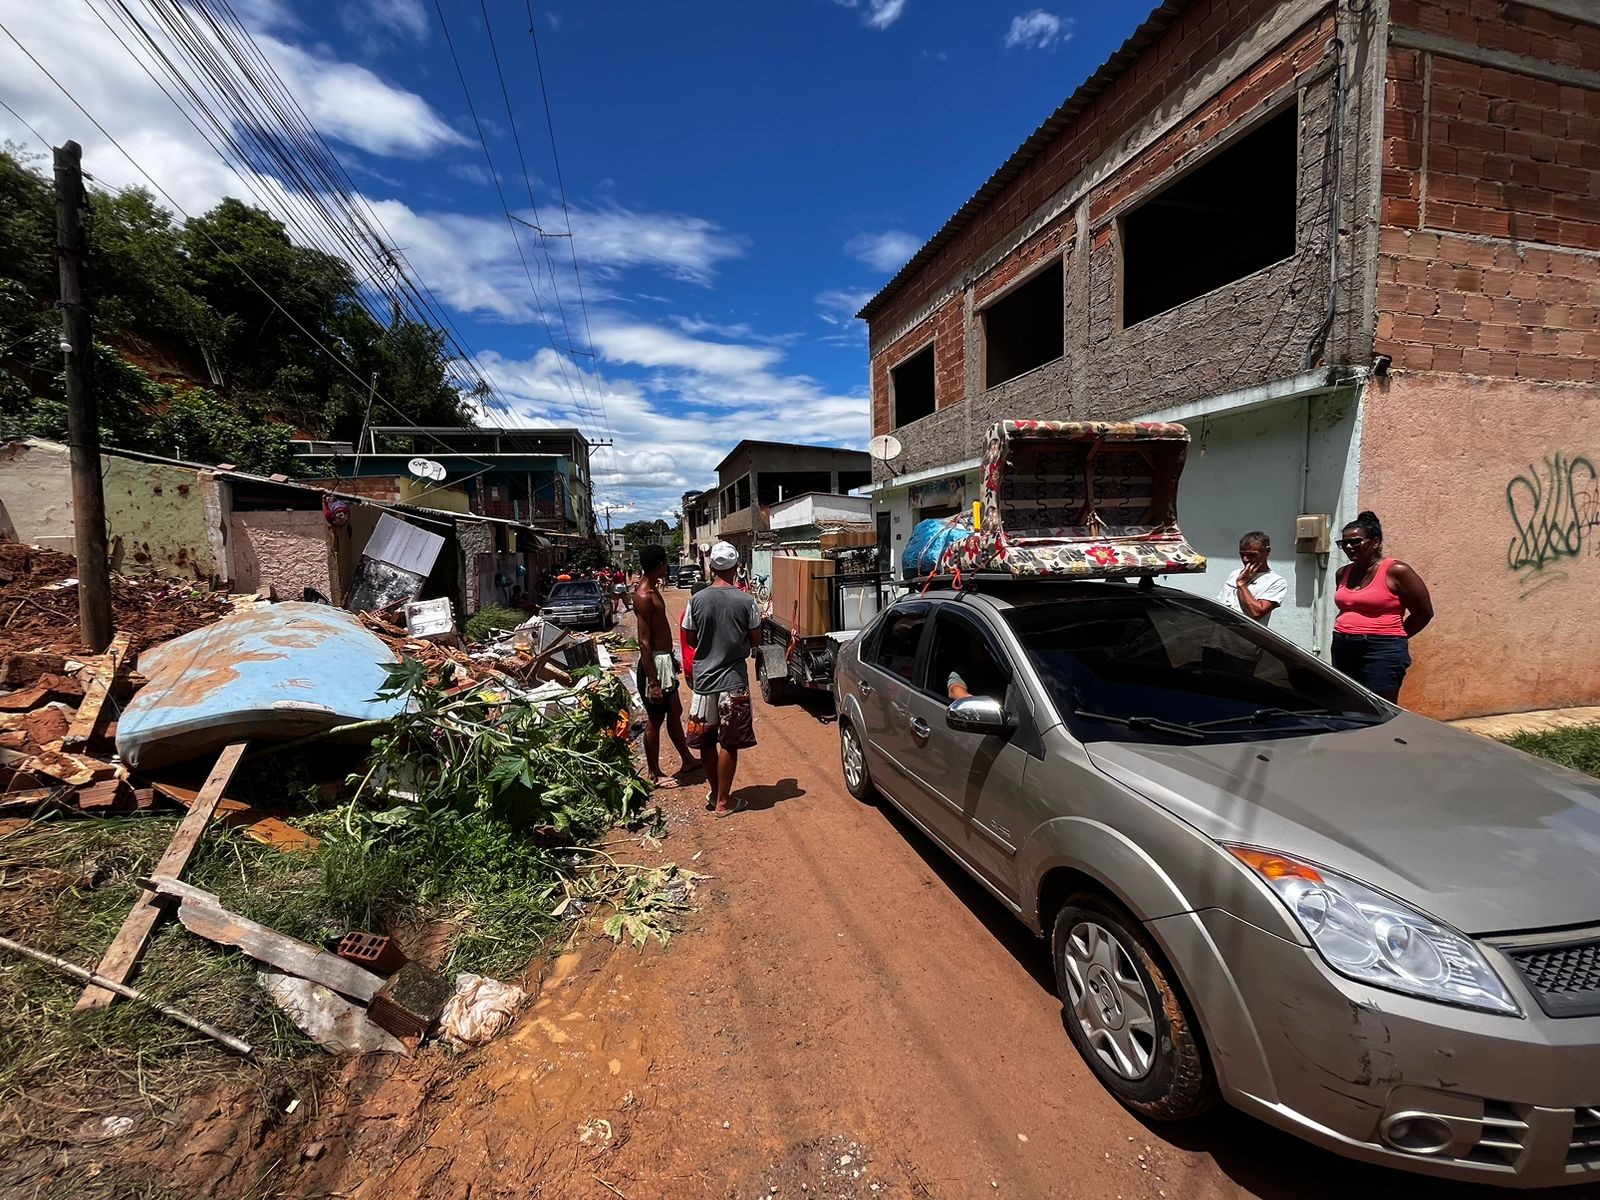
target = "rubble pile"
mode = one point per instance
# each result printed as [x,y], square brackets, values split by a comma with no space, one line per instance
[39,604]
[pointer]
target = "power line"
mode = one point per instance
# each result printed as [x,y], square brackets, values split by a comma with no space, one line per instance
[218,246]
[511,119]
[494,177]
[566,211]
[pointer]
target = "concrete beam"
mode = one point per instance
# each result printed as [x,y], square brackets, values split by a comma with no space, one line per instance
[1521,64]
[1311,383]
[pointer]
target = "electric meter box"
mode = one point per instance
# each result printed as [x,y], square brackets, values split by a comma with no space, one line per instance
[1313,533]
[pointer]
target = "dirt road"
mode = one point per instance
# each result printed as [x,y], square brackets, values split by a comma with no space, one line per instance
[848,1016]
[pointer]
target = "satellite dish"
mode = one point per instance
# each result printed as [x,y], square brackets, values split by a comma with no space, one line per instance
[885,448]
[426,468]
[705,547]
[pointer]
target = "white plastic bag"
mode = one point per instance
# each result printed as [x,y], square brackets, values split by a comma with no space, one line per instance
[480,1009]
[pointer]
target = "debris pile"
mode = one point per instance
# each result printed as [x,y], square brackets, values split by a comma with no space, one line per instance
[39,606]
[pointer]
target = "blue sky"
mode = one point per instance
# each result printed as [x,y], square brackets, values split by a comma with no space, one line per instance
[742,176]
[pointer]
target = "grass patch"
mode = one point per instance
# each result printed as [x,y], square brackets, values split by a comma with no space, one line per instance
[1577,746]
[491,619]
[478,822]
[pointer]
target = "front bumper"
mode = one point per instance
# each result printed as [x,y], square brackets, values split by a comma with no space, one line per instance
[573,617]
[1387,1078]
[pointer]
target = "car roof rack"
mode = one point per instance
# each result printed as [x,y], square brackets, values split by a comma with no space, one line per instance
[979,581]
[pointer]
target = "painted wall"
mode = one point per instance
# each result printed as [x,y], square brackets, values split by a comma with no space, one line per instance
[1246,471]
[159,517]
[36,494]
[1491,490]
[285,551]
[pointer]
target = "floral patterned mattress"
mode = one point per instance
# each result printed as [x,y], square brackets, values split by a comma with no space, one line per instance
[1083,499]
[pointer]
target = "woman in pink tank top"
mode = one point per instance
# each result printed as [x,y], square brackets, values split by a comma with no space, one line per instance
[1382,605]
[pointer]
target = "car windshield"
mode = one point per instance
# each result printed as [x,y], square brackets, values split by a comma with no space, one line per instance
[1131,666]
[585,589]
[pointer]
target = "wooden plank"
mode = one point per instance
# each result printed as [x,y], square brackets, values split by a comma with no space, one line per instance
[95,691]
[255,824]
[122,956]
[202,913]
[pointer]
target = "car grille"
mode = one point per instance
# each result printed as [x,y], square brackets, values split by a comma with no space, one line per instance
[1585,1148]
[1564,979]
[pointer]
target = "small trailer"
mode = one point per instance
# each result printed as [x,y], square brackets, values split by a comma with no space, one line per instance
[818,605]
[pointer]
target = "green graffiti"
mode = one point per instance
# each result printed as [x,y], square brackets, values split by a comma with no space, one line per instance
[1555,513]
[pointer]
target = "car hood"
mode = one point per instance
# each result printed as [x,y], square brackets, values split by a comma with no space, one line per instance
[1481,836]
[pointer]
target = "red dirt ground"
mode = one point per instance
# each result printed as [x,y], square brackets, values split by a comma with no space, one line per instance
[848,1016]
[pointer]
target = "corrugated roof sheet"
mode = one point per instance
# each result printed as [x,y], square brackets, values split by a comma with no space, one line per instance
[1157,23]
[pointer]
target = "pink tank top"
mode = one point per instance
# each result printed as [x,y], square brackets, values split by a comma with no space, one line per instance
[1373,610]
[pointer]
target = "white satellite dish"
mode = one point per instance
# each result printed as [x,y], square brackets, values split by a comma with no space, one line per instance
[426,468]
[885,448]
[705,547]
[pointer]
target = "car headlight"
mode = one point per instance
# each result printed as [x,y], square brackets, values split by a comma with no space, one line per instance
[1376,939]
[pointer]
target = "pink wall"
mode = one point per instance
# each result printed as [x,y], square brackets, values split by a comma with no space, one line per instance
[1491,490]
[283,550]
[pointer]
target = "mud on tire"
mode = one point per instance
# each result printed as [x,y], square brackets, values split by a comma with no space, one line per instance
[1177,1081]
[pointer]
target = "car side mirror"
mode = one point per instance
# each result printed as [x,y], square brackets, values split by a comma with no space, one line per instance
[978,714]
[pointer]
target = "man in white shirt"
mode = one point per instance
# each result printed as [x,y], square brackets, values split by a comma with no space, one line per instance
[1254,588]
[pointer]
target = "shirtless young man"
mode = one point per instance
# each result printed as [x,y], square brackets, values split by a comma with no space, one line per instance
[657,673]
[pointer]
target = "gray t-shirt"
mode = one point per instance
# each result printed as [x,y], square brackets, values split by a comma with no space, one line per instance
[722,618]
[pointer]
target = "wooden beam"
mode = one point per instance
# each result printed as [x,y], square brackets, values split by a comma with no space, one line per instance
[95,692]
[122,956]
[202,913]
[249,820]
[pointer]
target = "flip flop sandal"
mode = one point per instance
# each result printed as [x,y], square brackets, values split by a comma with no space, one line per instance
[711,802]
[667,783]
[739,805]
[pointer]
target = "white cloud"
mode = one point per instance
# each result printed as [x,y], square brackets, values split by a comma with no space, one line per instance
[1038,30]
[839,306]
[381,24]
[880,14]
[883,251]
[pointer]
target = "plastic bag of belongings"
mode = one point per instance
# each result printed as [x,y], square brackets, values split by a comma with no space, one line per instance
[1071,499]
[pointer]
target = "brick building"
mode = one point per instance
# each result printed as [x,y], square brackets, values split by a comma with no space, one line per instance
[1353,246]
[757,475]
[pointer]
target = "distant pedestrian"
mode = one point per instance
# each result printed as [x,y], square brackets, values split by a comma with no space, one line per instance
[724,627]
[657,673]
[1254,588]
[1382,605]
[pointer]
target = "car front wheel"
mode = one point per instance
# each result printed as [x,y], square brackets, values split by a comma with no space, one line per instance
[853,758]
[1126,1015]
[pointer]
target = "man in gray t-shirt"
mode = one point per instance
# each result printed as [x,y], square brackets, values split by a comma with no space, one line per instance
[724,626]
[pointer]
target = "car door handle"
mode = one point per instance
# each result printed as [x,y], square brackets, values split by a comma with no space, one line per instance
[920,728]
[865,688]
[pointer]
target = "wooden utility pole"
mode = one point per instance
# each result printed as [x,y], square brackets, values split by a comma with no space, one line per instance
[83,423]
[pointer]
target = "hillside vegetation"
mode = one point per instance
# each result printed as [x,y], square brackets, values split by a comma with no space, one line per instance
[193,360]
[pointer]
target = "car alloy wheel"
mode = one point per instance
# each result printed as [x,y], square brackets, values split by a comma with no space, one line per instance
[1126,1014]
[1109,1000]
[853,758]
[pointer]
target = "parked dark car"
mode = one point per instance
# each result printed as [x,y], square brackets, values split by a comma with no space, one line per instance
[690,574]
[580,603]
[1259,881]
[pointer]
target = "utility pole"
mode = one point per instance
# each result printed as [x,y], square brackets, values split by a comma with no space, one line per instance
[83,423]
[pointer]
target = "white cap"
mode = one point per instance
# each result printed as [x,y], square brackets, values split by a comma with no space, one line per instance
[724,557]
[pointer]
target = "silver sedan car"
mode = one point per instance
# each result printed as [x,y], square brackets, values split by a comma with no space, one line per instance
[1259,882]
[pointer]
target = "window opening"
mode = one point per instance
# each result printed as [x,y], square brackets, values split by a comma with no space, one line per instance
[961,654]
[1023,329]
[1231,216]
[896,651]
[912,386]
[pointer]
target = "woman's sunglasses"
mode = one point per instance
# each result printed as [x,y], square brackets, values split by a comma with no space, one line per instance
[1350,543]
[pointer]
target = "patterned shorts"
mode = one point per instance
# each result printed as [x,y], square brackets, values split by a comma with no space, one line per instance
[721,718]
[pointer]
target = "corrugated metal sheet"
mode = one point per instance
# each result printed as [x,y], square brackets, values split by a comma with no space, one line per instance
[403,545]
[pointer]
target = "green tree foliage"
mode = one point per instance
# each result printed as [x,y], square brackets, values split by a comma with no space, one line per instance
[183,301]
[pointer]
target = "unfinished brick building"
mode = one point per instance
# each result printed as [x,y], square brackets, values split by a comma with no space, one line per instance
[1354,247]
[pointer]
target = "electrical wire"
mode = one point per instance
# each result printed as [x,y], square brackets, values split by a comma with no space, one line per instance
[315,341]
[511,223]
[566,213]
[516,137]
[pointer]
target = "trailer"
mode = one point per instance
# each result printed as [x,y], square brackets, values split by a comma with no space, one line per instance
[818,606]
